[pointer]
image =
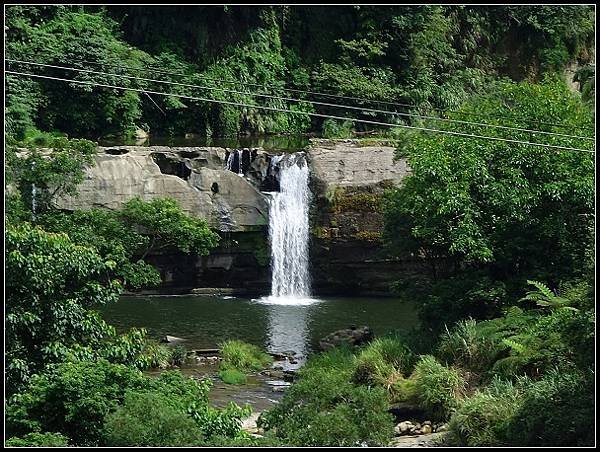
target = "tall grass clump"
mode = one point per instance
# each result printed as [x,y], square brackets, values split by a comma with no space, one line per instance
[244,357]
[324,408]
[467,347]
[385,362]
[482,419]
[239,358]
[439,389]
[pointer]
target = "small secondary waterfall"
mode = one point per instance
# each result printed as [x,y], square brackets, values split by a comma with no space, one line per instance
[289,228]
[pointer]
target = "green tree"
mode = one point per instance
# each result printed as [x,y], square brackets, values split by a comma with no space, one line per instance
[113,239]
[52,289]
[163,221]
[512,208]
[59,35]
[50,165]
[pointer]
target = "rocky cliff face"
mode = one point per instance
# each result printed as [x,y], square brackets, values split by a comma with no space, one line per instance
[228,188]
[348,181]
[195,177]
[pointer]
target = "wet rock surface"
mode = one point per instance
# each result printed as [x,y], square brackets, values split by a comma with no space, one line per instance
[352,336]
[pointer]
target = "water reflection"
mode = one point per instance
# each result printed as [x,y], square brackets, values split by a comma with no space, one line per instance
[205,322]
[288,330]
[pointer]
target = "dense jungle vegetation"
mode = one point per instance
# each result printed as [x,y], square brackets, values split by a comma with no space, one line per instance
[505,353]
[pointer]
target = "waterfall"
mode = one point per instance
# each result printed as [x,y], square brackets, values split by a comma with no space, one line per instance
[33,195]
[240,154]
[289,229]
[33,200]
[229,163]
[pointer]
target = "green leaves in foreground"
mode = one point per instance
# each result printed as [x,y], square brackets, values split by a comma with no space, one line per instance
[544,297]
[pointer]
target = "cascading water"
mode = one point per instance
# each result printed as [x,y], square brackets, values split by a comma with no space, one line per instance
[229,163]
[33,195]
[289,229]
[240,154]
[33,200]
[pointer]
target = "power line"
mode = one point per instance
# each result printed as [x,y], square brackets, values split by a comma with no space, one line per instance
[337,96]
[365,121]
[327,104]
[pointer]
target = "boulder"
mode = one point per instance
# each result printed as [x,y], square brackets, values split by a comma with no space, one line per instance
[352,336]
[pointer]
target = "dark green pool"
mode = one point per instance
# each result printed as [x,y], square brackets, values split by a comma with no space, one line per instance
[205,321]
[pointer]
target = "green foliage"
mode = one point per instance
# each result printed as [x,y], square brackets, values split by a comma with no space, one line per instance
[167,225]
[384,362]
[466,294]
[439,389]
[127,236]
[243,357]
[150,419]
[38,440]
[323,408]
[555,411]
[60,35]
[458,186]
[543,296]
[116,241]
[75,399]
[496,211]
[72,399]
[52,288]
[481,418]
[54,171]
[332,128]
[232,376]
[467,347]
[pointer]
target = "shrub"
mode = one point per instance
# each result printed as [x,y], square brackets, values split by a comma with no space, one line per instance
[244,357]
[480,418]
[385,361]
[332,128]
[72,399]
[439,389]
[37,439]
[150,419]
[467,347]
[232,376]
[558,410]
[75,398]
[323,408]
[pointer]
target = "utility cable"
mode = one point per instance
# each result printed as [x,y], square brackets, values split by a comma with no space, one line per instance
[364,121]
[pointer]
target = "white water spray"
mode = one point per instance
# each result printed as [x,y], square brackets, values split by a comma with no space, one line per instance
[33,196]
[229,163]
[289,229]
[240,154]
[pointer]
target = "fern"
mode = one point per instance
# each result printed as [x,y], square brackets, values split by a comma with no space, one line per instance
[544,297]
[515,346]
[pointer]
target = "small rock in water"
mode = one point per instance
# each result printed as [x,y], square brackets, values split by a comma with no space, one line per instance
[172,340]
[426,429]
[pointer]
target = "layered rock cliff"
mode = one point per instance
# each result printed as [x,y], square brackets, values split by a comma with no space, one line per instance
[229,188]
